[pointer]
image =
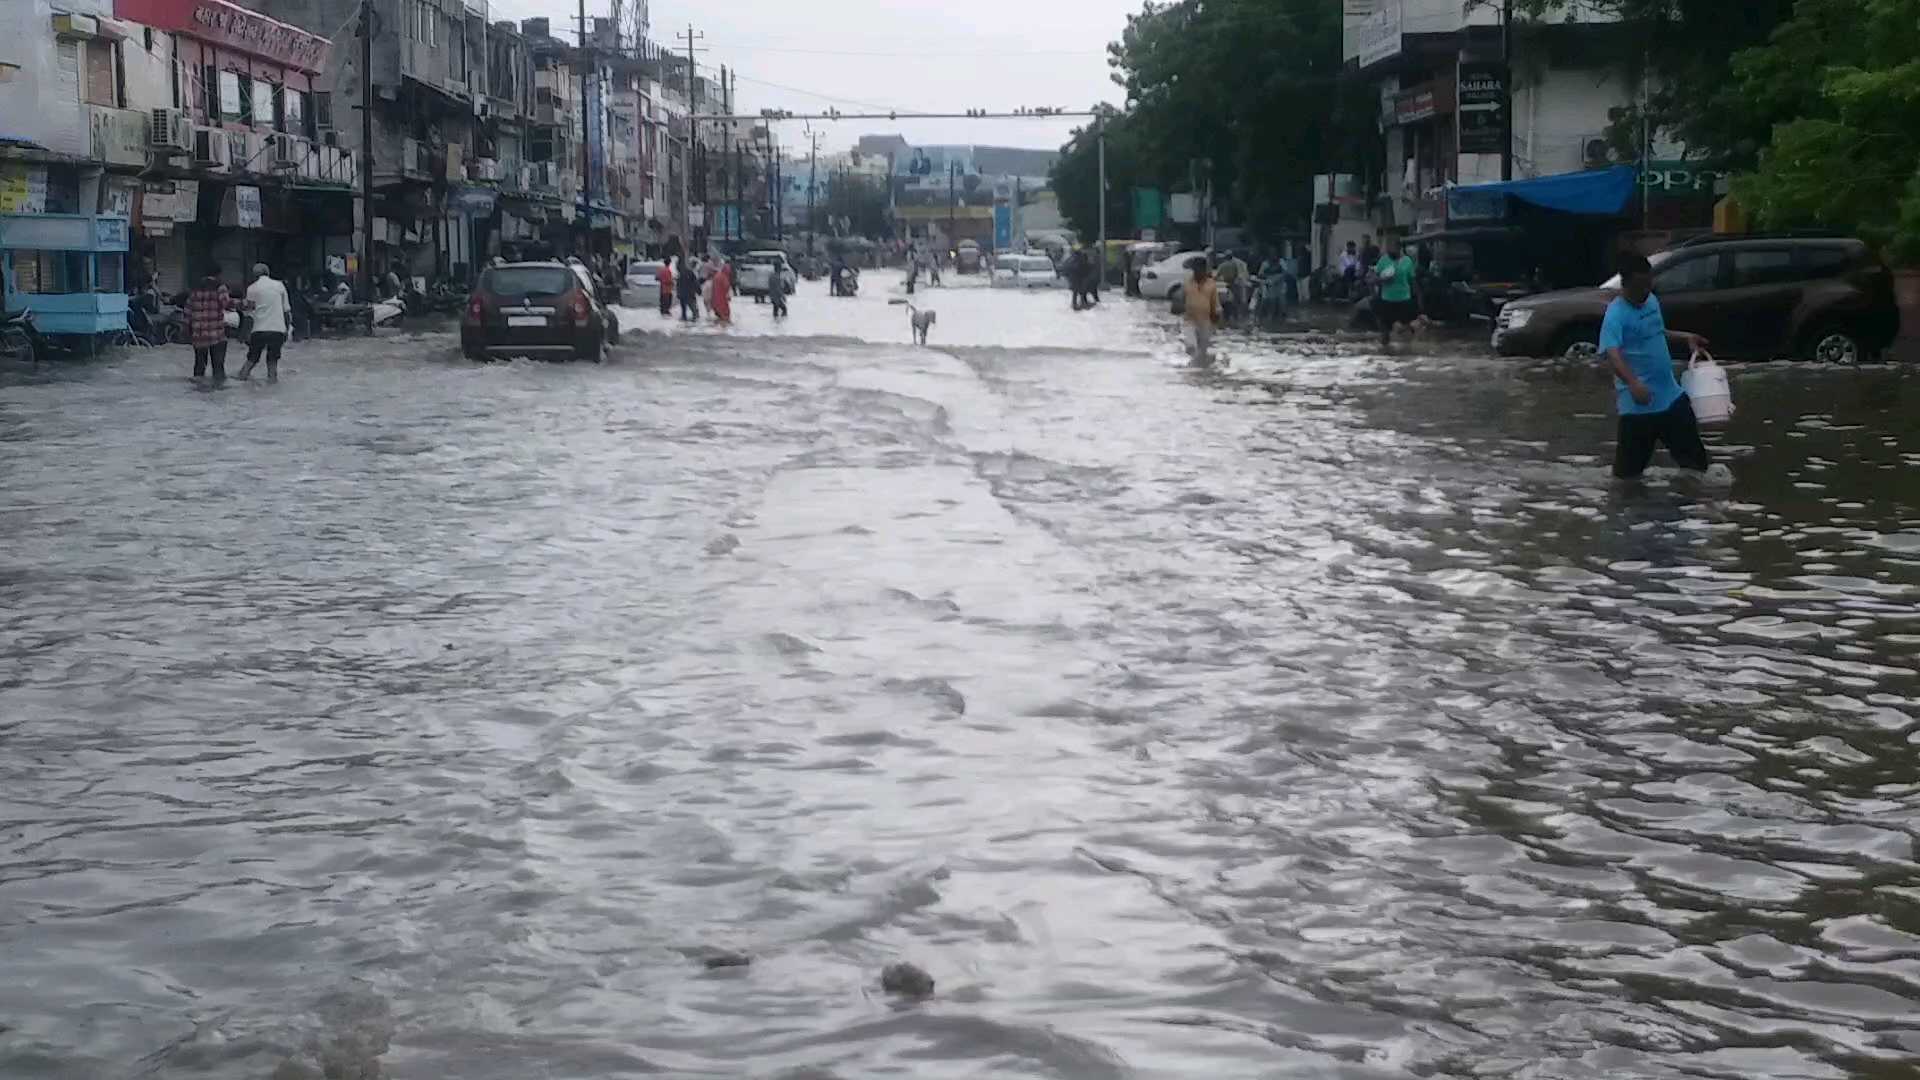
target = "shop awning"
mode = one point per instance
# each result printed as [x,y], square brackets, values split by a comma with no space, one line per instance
[1602,192]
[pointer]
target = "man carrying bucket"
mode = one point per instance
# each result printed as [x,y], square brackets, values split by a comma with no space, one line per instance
[1653,409]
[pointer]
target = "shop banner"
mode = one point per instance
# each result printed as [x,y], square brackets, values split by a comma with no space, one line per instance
[23,189]
[1483,108]
[246,207]
[1148,208]
[159,201]
[232,26]
[1378,37]
[116,195]
[472,200]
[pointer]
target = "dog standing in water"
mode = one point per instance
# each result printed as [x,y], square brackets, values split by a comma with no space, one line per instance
[922,322]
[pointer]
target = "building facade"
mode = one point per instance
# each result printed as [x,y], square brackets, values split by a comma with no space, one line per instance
[231,131]
[1438,70]
[203,125]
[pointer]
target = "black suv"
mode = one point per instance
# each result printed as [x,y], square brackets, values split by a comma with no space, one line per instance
[537,309]
[1755,297]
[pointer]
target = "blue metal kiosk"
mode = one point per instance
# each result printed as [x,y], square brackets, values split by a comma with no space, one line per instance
[71,269]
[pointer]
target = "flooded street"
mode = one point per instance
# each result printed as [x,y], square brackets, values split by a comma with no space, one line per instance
[1329,716]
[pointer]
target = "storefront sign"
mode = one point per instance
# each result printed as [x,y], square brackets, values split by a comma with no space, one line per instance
[1682,180]
[119,136]
[1466,204]
[1482,108]
[160,201]
[472,200]
[1420,103]
[23,189]
[109,234]
[246,207]
[224,23]
[1379,36]
[116,195]
[1148,208]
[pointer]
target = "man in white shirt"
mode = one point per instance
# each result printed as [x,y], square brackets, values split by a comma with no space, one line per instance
[267,301]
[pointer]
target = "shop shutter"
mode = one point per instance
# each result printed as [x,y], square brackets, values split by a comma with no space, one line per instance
[170,260]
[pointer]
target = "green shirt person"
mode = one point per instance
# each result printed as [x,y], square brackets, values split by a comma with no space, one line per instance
[1395,304]
[1395,271]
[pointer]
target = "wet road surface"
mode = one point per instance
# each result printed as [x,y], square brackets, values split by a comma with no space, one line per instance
[1327,717]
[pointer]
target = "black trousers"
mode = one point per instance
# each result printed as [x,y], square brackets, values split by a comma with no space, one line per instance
[779,304]
[210,354]
[666,303]
[268,343]
[1641,432]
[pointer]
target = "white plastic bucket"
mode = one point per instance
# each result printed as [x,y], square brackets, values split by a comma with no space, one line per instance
[1706,385]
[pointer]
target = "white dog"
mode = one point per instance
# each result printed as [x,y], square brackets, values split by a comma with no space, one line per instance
[922,322]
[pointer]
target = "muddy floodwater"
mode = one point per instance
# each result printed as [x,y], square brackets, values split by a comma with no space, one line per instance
[1331,716]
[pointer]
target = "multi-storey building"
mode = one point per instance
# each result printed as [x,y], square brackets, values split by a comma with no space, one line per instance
[202,124]
[1448,105]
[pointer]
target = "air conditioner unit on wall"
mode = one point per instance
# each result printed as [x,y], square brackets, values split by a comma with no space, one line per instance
[169,132]
[285,152]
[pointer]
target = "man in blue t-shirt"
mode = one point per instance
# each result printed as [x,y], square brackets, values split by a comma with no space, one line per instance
[1653,408]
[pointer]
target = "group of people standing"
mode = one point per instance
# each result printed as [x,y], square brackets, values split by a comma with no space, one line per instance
[266,302]
[694,281]
[1082,271]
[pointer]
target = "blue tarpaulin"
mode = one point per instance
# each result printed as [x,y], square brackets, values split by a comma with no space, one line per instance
[1603,192]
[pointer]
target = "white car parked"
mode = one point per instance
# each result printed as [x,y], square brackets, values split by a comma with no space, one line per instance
[756,270]
[1165,277]
[1024,272]
[643,274]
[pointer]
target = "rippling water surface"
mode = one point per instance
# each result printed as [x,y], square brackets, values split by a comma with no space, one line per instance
[1328,717]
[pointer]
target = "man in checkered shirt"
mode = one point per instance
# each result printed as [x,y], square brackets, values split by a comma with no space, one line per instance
[207,307]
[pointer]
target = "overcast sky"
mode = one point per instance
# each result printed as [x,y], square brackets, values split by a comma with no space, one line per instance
[809,55]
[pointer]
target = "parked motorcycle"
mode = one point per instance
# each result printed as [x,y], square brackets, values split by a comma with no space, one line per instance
[21,339]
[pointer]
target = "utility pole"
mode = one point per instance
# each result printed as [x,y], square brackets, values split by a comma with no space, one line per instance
[693,136]
[586,126]
[1506,91]
[953,175]
[813,176]
[366,150]
[1100,135]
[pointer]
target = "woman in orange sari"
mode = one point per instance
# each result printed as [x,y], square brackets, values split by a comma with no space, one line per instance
[722,302]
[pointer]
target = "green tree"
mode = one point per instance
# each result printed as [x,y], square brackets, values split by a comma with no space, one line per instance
[1851,157]
[1076,175]
[1245,93]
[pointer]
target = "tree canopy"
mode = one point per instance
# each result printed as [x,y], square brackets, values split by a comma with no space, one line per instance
[1850,157]
[1245,93]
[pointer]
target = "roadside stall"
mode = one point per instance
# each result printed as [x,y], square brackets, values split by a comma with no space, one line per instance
[1568,223]
[71,269]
